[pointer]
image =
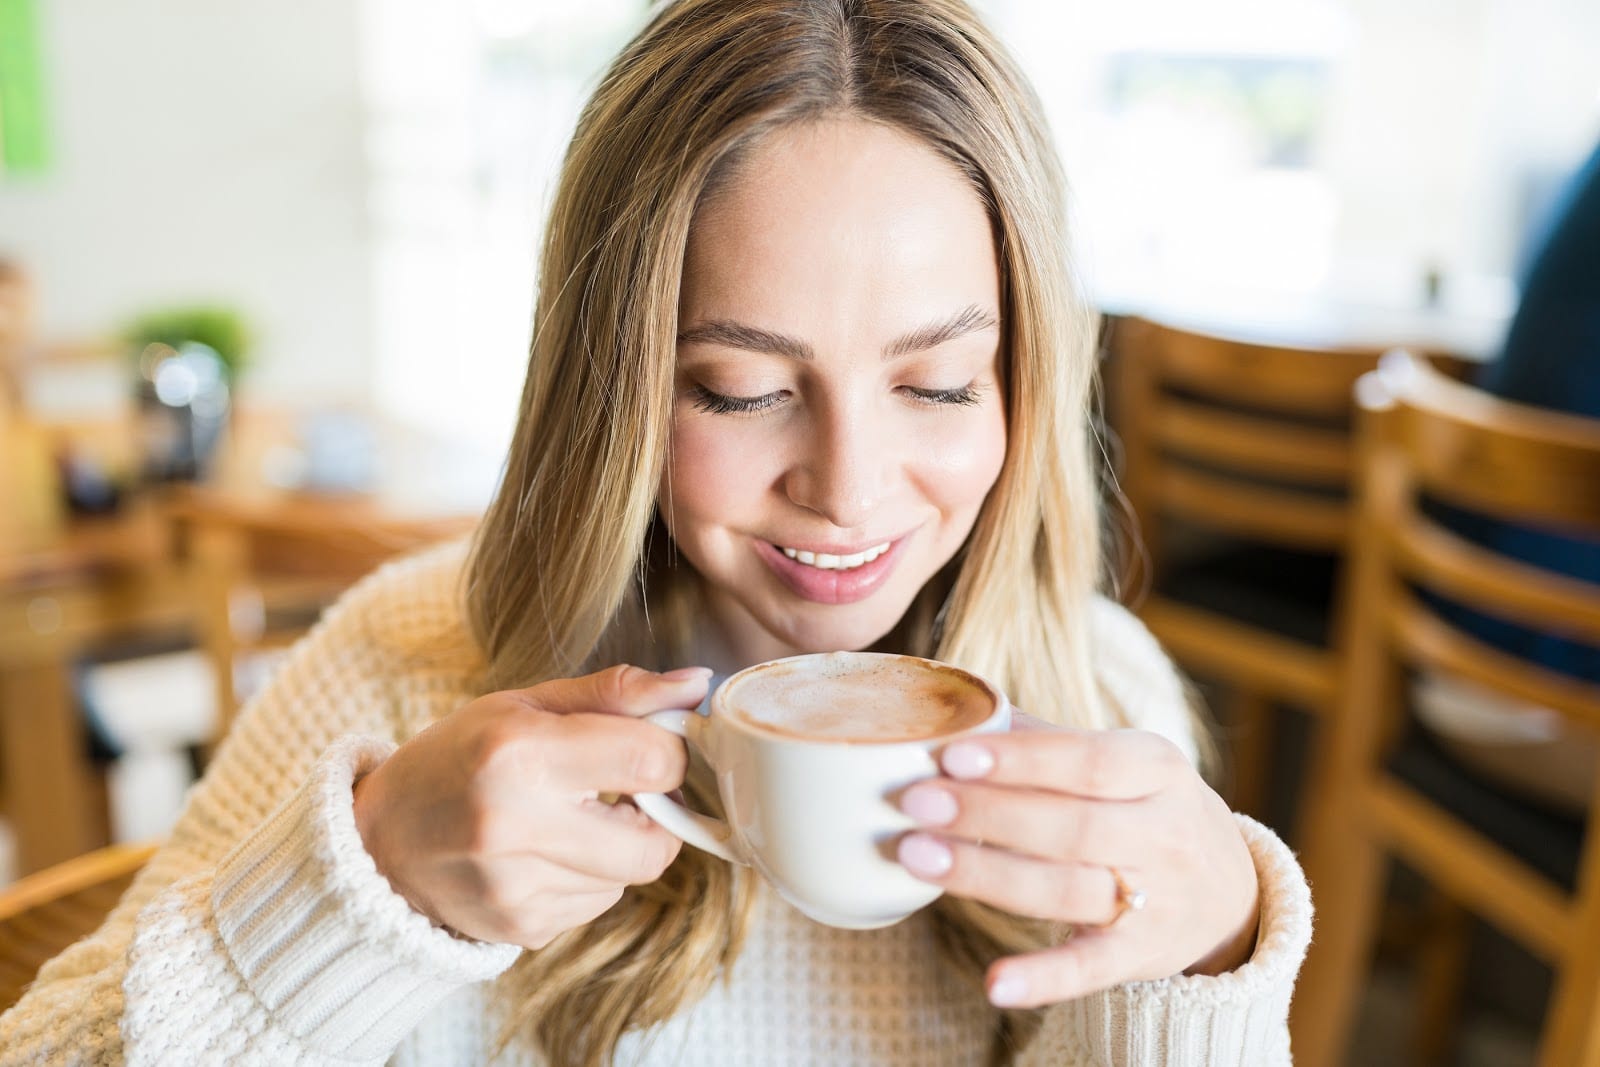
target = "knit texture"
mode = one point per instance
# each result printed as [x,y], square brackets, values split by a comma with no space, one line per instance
[262,933]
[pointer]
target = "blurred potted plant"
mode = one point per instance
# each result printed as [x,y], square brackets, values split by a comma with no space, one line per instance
[188,362]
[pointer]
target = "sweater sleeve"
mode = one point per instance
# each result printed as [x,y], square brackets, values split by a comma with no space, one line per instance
[262,932]
[1238,1019]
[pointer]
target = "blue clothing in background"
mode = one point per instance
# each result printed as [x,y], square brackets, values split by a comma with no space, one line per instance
[1551,359]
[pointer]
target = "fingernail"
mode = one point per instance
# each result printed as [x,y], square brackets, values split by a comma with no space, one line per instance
[929,805]
[1009,991]
[685,674]
[924,856]
[967,760]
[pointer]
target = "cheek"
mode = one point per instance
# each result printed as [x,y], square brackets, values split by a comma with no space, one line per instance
[958,470]
[708,474]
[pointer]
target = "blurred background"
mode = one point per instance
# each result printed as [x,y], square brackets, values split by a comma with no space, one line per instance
[266,278]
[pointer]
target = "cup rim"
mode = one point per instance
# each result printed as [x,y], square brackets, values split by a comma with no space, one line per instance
[1000,705]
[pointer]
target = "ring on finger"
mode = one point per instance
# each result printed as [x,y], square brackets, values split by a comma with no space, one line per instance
[1128,899]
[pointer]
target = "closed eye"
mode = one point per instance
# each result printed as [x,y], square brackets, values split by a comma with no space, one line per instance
[718,404]
[966,394]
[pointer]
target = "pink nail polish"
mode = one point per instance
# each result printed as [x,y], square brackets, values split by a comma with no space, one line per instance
[929,805]
[924,856]
[965,759]
[685,674]
[1009,992]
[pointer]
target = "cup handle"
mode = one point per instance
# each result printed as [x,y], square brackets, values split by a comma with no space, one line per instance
[702,831]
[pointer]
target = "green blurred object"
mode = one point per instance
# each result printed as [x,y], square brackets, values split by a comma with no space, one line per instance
[221,329]
[24,144]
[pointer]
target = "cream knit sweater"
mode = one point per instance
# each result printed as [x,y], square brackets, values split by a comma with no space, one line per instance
[263,934]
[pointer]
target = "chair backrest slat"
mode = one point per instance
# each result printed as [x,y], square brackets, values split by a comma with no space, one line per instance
[1278,516]
[1245,439]
[1290,381]
[1252,445]
[1513,462]
[1425,639]
[1494,584]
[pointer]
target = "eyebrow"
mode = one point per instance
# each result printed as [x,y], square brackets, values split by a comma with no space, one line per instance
[970,319]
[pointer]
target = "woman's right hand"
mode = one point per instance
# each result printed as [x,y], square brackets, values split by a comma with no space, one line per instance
[490,820]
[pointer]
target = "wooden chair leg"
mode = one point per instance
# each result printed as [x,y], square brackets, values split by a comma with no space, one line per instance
[1346,871]
[1572,1028]
[1441,976]
[1250,727]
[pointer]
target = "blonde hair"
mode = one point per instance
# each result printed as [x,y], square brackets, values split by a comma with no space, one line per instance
[571,567]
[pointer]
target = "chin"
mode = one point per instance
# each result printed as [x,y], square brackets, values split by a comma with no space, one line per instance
[823,637]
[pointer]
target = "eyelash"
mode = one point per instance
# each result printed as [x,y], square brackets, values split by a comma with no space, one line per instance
[718,404]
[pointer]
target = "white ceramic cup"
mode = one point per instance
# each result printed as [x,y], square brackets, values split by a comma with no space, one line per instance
[815,816]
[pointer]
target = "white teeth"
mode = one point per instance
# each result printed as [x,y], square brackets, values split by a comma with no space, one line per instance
[826,562]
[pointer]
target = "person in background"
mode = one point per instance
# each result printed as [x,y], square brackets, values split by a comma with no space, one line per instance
[1550,359]
[804,286]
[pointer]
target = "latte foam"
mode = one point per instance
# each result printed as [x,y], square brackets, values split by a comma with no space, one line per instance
[844,696]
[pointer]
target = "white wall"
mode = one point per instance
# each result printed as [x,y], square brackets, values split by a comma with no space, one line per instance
[1447,115]
[206,150]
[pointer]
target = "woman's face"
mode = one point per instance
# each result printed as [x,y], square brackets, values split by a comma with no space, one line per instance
[838,417]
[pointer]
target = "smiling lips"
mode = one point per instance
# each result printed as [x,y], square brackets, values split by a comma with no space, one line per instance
[829,578]
[826,562]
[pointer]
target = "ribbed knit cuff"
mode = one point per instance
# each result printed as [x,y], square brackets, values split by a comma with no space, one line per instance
[320,937]
[1238,1019]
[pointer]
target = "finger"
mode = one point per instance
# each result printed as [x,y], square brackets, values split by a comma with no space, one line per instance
[598,754]
[1039,889]
[607,844]
[622,690]
[615,842]
[1090,961]
[505,884]
[1051,826]
[1108,764]
[1021,722]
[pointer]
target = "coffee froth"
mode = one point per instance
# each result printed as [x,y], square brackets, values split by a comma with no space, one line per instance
[861,697]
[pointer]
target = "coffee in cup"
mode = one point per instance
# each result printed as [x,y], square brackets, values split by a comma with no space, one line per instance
[809,753]
[847,697]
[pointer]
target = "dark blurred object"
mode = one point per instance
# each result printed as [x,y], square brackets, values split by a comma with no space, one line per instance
[184,399]
[87,485]
[1385,791]
[189,360]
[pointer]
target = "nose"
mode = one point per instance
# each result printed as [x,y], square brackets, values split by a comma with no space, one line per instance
[843,470]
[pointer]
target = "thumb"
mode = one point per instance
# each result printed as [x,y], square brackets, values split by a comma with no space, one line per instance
[622,690]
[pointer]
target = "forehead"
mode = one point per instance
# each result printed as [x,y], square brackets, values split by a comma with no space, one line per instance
[836,213]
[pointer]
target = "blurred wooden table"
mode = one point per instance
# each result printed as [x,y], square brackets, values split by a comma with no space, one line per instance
[70,584]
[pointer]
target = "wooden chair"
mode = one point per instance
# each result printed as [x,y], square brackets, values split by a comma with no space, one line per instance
[1250,442]
[264,571]
[1422,434]
[47,911]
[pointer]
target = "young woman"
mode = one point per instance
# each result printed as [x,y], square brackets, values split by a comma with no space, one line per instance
[809,372]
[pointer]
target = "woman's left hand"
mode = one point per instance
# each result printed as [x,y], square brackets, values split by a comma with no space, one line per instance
[1044,822]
